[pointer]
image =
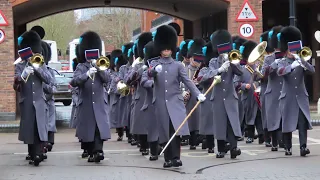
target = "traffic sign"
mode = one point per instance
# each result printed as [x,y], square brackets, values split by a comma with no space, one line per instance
[246,13]
[246,30]
[2,35]
[3,20]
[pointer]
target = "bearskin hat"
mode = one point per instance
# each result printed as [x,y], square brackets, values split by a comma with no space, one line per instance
[88,40]
[143,39]
[45,52]
[149,52]
[117,58]
[165,38]
[195,46]
[220,37]
[265,37]
[39,30]
[208,53]
[289,34]
[30,39]
[273,39]
[125,48]
[247,48]
[184,48]
[237,42]
[176,27]
[75,61]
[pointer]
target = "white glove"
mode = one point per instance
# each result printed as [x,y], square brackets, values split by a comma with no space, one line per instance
[28,70]
[224,67]
[201,97]
[144,67]
[184,93]
[158,68]
[277,61]
[91,71]
[134,63]
[295,64]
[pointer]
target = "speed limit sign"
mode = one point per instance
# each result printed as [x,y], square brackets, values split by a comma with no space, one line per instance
[2,35]
[246,30]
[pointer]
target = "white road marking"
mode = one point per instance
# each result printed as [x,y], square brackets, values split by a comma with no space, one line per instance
[309,138]
[253,152]
[190,154]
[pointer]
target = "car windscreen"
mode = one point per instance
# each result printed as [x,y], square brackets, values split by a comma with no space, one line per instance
[62,80]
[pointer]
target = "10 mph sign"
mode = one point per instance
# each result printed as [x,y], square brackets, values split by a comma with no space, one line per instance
[2,35]
[246,30]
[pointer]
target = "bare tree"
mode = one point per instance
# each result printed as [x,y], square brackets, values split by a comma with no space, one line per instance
[61,28]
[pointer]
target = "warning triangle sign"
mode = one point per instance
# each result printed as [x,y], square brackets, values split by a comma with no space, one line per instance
[3,20]
[246,13]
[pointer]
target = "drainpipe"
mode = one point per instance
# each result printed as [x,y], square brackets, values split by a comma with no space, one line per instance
[292,17]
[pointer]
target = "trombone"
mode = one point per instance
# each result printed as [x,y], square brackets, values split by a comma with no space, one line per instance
[102,64]
[257,57]
[36,61]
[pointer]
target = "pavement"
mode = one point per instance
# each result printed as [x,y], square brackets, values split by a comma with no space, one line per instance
[124,161]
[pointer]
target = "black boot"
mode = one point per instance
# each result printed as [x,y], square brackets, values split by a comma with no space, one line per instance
[176,163]
[210,150]
[220,155]
[274,149]
[304,151]
[249,140]
[98,157]
[120,138]
[145,152]
[91,158]
[49,147]
[85,154]
[153,158]
[167,164]
[235,152]
[28,157]
[37,160]
[288,152]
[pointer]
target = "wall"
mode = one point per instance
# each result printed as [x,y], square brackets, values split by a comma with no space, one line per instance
[7,94]
[233,10]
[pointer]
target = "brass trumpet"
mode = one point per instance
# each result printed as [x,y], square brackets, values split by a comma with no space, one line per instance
[305,53]
[102,63]
[122,88]
[234,55]
[36,61]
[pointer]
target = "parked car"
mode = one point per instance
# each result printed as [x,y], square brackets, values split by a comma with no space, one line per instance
[67,74]
[63,93]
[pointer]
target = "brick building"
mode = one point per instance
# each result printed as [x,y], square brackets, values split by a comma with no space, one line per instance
[150,21]
[199,20]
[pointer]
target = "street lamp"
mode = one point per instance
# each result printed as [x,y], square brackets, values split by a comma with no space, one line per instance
[292,16]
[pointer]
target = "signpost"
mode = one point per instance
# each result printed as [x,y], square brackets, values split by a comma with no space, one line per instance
[246,30]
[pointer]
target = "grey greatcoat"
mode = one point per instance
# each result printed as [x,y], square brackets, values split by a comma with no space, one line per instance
[263,84]
[193,121]
[75,104]
[115,109]
[140,121]
[272,93]
[130,104]
[148,108]
[239,93]
[124,100]
[49,89]
[294,95]
[250,105]
[32,103]
[206,112]
[92,109]
[224,99]
[167,97]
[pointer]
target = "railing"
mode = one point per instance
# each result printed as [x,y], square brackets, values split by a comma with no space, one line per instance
[162,19]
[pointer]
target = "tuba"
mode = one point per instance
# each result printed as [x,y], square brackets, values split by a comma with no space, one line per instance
[122,88]
[257,57]
[102,64]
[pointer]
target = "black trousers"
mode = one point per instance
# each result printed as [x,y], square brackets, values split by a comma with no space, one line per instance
[128,135]
[193,138]
[51,137]
[35,149]
[230,137]
[267,136]
[143,140]
[154,147]
[97,145]
[277,136]
[302,126]
[257,125]
[173,150]
[120,131]
[210,141]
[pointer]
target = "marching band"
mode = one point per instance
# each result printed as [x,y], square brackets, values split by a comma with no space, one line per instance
[226,89]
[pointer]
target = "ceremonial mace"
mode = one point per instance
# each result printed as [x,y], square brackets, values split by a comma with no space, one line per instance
[217,79]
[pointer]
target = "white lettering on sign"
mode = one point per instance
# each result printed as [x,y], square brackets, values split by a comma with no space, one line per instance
[247,13]
[246,30]
[2,35]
